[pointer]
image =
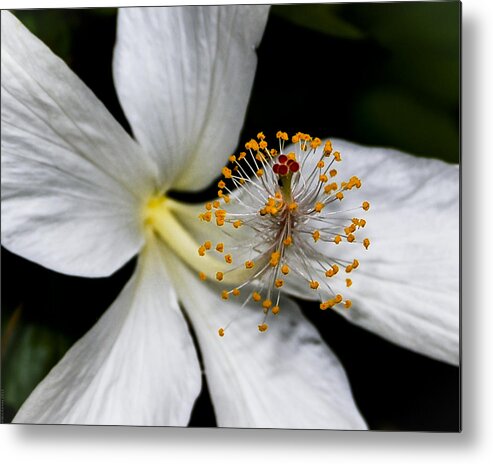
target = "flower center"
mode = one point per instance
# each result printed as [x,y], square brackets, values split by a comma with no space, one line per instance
[280,213]
[159,219]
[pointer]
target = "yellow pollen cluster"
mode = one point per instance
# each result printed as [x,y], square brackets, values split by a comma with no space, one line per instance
[287,192]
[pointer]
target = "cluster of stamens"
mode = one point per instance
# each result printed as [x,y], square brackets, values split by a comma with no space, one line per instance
[284,200]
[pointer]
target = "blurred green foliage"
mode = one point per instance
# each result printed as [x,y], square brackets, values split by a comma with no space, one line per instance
[28,353]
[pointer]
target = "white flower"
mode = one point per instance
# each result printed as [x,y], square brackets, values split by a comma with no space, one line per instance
[80,196]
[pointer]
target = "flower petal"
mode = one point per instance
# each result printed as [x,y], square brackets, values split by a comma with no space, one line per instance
[407,287]
[184,76]
[72,178]
[285,378]
[136,366]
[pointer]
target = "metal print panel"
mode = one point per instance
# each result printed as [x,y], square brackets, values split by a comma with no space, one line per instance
[232,216]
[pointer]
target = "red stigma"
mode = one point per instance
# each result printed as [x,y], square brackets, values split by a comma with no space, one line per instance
[294,166]
[282,159]
[275,168]
[283,170]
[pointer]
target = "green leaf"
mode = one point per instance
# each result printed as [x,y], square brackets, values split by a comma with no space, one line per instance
[321,18]
[29,353]
[395,118]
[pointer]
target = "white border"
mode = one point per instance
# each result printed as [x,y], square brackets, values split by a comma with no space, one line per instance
[59,444]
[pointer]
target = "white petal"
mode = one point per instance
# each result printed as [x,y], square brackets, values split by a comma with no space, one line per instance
[407,287]
[136,366]
[284,378]
[184,76]
[72,178]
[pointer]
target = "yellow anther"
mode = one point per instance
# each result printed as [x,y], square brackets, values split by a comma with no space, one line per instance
[251,145]
[319,206]
[263,145]
[279,283]
[249,264]
[288,240]
[327,304]
[274,258]
[232,158]
[355,263]
[207,245]
[349,268]
[220,247]
[219,276]
[208,206]
[338,298]
[323,178]
[273,152]
[328,148]
[237,224]
[293,206]
[337,156]
[295,138]
[202,276]
[285,269]
[329,273]
[335,268]
[339,195]
[224,295]
[314,284]
[365,205]
[220,222]
[235,292]
[315,143]
[292,156]
[333,172]
[316,235]
[366,243]
[261,136]
[267,304]
[275,310]
[263,327]
[241,156]
[256,296]
[337,239]
[348,304]
[282,135]
[221,332]
[349,282]
[350,238]
[216,204]
[228,259]
[206,216]
[226,172]
[201,250]
[349,229]
[260,172]
[225,198]
[320,164]
[362,223]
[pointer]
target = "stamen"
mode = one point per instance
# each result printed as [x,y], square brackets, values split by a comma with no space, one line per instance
[288,205]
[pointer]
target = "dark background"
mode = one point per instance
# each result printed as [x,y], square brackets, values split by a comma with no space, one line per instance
[382,74]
